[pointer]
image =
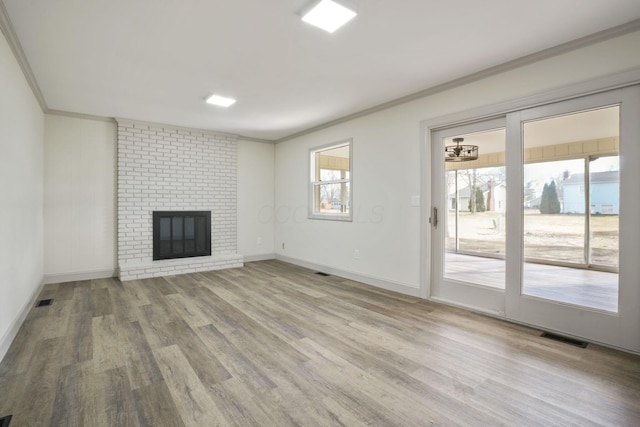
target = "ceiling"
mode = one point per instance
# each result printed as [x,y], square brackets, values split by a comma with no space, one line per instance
[586,125]
[157,60]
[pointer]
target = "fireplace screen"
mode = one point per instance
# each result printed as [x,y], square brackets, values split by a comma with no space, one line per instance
[181,234]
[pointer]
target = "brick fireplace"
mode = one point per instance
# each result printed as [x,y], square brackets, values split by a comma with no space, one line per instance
[162,168]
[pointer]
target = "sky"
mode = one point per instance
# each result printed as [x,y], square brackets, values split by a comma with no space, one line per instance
[554,169]
[544,172]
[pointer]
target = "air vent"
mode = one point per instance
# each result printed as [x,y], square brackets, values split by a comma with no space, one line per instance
[319,273]
[4,421]
[566,340]
[41,303]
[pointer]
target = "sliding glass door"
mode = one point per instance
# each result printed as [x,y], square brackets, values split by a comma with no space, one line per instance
[573,271]
[571,208]
[469,215]
[542,227]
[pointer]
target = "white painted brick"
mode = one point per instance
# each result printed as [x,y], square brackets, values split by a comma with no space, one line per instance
[161,168]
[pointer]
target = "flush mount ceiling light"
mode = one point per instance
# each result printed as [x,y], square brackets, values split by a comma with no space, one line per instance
[460,153]
[328,15]
[220,100]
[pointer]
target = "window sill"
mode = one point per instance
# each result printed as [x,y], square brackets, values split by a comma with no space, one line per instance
[332,217]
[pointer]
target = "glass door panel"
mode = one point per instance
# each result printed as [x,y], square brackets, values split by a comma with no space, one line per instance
[475,211]
[554,232]
[604,187]
[467,215]
[571,207]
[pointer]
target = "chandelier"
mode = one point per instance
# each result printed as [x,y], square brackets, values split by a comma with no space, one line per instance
[460,153]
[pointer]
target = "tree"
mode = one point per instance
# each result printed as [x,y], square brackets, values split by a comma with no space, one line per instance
[329,193]
[549,201]
[530,193]
[477,178]
[554,201]
[544,199]
[471,176]
[479,202]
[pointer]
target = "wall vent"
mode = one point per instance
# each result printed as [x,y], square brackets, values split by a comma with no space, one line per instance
[4,421]
[41,303]
[566,340]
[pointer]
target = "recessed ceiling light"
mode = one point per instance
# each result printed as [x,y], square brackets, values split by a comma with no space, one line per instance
[328,15]
[220,100]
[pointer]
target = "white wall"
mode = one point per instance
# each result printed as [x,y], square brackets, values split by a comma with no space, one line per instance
[21,171]
[80,171]
[386,228]
[79,197]
[256,194]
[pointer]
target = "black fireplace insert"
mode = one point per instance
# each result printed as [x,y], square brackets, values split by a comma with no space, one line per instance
[181,234]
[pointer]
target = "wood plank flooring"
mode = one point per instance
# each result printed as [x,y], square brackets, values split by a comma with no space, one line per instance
[273,344]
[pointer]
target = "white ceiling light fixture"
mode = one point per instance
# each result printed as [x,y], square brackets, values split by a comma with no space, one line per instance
[221,101]
[328,15]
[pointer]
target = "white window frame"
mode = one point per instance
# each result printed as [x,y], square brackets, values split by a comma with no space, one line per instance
[315,213]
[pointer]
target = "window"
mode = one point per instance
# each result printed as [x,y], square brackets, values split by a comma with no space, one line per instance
[330,183]
[608,209]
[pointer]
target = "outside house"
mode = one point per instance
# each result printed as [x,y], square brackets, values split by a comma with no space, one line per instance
[605,195]
[495,197]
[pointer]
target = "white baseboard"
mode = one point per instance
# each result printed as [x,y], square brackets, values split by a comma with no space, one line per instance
[259,257]
[491,313]
[7,339]
[74,277]
[389,285]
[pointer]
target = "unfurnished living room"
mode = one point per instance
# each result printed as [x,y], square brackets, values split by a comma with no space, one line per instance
[319,213]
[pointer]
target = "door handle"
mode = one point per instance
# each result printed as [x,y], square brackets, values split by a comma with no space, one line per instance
[434,217]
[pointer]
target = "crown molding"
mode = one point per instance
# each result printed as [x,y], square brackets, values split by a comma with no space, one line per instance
[569,46]
[586,87]
[210,132]
[6,26]
[124,122]
[80,116]
[132,121]
[260,140]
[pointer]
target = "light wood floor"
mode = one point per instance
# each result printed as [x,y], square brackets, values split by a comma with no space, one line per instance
[272,344]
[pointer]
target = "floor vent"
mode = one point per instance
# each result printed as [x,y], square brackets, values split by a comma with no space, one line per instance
[41,303]
[319,273]
[566,340]
[4,421]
